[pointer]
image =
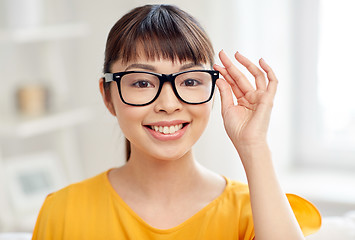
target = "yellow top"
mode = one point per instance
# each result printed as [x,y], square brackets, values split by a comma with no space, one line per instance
[92,209]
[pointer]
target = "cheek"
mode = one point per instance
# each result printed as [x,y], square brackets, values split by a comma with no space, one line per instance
[130,123]
[202,114]
[127,116]
[206,109]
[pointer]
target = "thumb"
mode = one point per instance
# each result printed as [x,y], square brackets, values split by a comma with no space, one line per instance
[226,94]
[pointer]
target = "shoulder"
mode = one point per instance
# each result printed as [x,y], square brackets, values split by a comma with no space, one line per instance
[75,195]
[237,191]
[305,212]
[236,196]
[68,207]
[236,201]
[82,188]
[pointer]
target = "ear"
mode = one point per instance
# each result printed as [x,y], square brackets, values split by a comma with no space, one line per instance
[106,96]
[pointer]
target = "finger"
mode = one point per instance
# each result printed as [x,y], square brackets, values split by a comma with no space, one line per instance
[236,90]
[226,94]
[273,82]
[237,76]
[259,76]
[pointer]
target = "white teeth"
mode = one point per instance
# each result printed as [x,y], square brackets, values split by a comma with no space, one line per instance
[167,129]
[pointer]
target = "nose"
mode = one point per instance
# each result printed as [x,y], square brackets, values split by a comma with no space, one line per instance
[167,100]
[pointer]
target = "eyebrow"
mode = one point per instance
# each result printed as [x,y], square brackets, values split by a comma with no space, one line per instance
[141,66]
[190,65]
[152,68]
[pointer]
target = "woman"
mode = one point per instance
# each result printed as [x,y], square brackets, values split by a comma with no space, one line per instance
[159,83]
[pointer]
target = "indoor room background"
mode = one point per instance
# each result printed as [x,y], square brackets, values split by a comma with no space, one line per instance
[55,129]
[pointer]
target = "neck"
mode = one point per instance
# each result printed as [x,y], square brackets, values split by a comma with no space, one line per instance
[156,177]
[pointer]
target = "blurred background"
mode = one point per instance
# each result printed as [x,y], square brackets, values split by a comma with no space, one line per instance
[55,130]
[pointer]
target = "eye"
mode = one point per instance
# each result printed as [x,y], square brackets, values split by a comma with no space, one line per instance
[142,84]
[190,82]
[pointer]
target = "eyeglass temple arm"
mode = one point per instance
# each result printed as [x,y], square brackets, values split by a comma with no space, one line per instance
[108,77]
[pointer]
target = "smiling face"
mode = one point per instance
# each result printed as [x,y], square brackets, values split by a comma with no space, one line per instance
[162,39]
[167,128]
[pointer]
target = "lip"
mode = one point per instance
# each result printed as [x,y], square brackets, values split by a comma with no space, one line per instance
[166,123]
[166,137]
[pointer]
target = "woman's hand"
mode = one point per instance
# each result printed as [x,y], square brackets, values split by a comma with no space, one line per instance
[246,122]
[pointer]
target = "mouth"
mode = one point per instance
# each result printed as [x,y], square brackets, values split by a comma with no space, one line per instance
[167,130]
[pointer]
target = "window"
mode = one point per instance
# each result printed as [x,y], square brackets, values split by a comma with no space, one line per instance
[326,125]
[336,61]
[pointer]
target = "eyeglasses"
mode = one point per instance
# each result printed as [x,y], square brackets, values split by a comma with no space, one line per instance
[139,88]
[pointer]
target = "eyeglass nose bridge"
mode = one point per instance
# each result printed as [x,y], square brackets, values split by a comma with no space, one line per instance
[166,78]
[163,78]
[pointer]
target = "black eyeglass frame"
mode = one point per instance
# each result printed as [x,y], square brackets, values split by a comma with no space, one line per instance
[116,77]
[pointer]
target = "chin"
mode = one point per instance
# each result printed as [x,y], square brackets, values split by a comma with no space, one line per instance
[170,155]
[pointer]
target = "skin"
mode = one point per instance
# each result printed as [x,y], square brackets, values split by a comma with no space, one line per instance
[165,174]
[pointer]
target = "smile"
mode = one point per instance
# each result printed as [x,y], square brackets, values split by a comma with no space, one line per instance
[167,129]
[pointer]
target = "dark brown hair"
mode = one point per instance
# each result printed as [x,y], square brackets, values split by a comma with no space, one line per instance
[162,32]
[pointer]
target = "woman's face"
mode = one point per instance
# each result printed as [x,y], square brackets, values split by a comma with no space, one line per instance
[167,128]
